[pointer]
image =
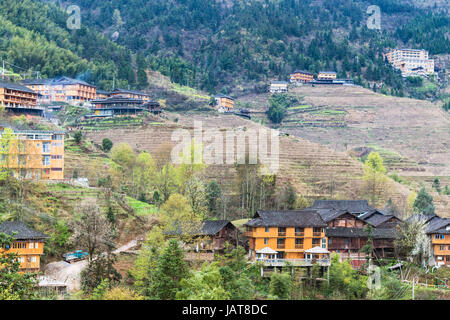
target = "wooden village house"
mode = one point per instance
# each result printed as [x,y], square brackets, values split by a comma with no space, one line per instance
[277,238]
[19,99]
[210,239]
[28,245]
[346,229]
[438,231]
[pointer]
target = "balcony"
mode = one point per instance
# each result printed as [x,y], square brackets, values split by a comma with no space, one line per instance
[281,245]
[317,234]
[293,262]
[281,234]
[299,234]
[249,234]
[299,246]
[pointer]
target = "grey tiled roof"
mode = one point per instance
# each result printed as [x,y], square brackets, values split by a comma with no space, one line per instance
[208,228]
[292,218]
[23,232]
[341,232]
[15,86]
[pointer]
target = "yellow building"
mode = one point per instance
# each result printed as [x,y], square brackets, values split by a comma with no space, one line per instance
[224,103]
[294,236]
[411,62]
[300,76]
[34,154]
[28,245]
[62,89]
[131,94]
[326,75]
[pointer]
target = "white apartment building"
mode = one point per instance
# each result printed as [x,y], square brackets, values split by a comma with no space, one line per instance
[411,62]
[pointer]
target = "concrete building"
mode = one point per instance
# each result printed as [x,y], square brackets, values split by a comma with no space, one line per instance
[278,86]
[33,154]
[411,62]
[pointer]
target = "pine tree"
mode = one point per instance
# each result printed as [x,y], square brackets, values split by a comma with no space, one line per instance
[170,270]
[424,203]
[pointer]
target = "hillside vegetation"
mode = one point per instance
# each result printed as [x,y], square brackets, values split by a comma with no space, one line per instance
[237,45]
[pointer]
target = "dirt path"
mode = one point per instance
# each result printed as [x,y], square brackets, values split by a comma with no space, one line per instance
[70,273]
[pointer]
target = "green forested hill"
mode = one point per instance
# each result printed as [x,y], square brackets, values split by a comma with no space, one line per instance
[217,45]
[34,36]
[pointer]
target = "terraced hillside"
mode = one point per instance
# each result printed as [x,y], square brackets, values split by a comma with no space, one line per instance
[344,118]
[314,170]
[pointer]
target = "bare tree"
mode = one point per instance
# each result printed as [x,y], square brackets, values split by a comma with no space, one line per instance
[93,232]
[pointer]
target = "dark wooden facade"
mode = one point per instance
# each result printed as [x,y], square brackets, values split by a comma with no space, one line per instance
[347,236]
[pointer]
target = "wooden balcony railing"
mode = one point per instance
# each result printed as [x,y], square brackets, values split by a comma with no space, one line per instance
[299,234]
[317,234]
[299,246]
[281,245]
[282,234]
[293,262]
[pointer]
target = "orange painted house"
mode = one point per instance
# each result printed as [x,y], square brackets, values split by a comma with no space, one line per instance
[439,232]
[28,245]
[287,235]
[300,76]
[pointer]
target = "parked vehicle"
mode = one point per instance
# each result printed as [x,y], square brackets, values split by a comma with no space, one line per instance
[75,256]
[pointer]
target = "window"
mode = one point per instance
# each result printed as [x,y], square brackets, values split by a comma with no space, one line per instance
[324,243]
[282,231]
[46,160]
[267,229]
[280,243]
[439,236]
[36,245]
[442,247]
[31,245]
[266,240]
[315,242]
[33,259]
[299,231]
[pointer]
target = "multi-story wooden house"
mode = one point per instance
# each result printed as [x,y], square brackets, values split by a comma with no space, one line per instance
[346,222]
[280,237]
[28,245]
[438,230]
[15,97]
[131,94]
[300,76]
[224,103]
[116,105]
[34,154]
[62,89]
[326,75]
[102,94]
[209,238]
